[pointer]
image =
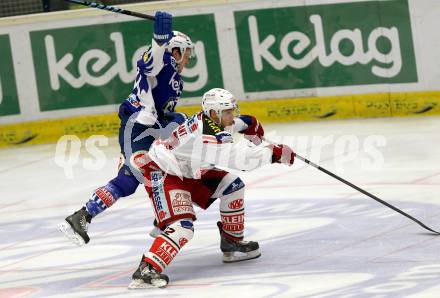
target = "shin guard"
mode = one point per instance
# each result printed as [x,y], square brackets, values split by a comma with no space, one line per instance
[166,246]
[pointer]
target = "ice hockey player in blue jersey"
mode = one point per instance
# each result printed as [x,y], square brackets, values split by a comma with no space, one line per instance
[157,88]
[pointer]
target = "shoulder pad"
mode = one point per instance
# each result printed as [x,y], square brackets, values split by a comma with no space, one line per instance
[224,137]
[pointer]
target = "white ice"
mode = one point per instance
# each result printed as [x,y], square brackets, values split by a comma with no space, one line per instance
[318,237]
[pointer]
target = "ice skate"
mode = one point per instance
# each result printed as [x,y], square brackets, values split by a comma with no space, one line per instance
[236,251]
[75,227]
[147,277]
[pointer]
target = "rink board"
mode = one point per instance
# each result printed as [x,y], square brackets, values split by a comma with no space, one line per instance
[267,111]
[287,60]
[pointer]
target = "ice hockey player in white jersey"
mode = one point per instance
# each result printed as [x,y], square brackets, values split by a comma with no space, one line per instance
[182,170]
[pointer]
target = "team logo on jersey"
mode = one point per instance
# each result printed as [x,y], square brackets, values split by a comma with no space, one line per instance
[176,83]
[145,57]
[236,204]
[134,102]
[181,201]
[182,242]
[192,124]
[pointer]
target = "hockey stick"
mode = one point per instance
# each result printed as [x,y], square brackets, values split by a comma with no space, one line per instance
[113,9]
[360,190]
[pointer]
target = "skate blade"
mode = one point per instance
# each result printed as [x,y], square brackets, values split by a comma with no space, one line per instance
[67,230]
[232,257]
[140,284]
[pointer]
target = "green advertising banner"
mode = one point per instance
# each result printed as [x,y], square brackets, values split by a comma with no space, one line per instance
[8,86]
[339,44]
[93,65]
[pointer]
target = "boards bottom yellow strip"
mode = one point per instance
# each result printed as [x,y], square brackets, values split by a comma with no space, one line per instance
[267,111]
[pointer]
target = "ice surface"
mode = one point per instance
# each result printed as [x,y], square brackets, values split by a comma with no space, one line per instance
[318,237]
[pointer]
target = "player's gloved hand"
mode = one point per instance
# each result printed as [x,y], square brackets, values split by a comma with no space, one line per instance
[171,121]
[163,26]
[176,117]
[282,154]
[255,131]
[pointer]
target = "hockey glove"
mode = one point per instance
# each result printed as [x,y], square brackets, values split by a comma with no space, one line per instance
[255,131]
[176,117]
[282,154]
[163,26]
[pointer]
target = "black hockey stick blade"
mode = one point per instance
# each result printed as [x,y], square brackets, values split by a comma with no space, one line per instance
[113,9]
[363,191]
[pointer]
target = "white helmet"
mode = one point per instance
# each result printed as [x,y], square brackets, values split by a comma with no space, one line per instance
[182,42]
[218,100]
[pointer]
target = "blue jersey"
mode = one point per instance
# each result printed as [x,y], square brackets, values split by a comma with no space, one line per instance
[157,87]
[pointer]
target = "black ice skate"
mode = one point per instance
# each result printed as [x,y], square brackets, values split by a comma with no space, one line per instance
[147,277]
[75,227]
[236,251]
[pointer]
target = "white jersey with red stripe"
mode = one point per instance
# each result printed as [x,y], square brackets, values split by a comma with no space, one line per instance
[199,144]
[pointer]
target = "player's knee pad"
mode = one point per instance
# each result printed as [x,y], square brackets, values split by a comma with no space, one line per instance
[125,183]
[229,184]
[232,209]
[180,232]
[232,193]
[166,246]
